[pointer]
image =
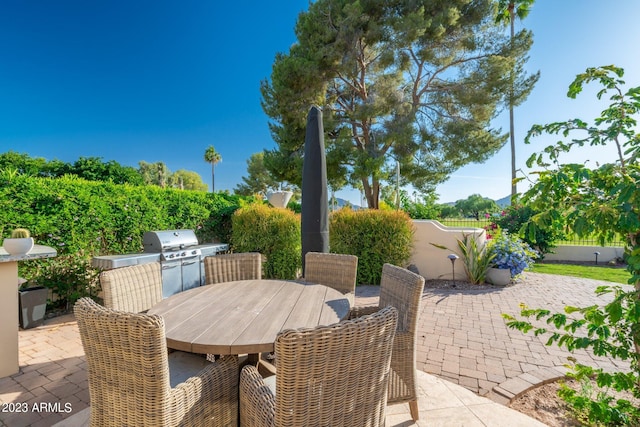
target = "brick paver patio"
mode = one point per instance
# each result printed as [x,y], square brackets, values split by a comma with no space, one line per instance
[463,339]
[52,382]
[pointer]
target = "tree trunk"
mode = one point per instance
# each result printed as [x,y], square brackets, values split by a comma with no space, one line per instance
[371,193]
[512,138]
[213,182]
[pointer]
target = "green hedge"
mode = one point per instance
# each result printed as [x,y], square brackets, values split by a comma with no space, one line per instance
[273,232]
[82,219]
[375,236]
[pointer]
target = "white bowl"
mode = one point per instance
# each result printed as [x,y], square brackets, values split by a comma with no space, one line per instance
[21,246]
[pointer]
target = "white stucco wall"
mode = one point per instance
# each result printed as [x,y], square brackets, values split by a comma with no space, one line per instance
[585,253]
[432,262]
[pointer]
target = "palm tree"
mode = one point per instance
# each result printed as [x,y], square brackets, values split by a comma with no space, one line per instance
[162,174]
[213,157]
[508,10]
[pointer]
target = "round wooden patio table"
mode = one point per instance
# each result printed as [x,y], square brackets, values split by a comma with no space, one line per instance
[245,316]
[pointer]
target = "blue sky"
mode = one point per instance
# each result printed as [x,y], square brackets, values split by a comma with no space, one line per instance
[161,81]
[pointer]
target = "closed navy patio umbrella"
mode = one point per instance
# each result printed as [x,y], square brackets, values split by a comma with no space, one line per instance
[315,206]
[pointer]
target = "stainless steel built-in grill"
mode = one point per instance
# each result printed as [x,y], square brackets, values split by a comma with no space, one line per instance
[171,244]
[179,253]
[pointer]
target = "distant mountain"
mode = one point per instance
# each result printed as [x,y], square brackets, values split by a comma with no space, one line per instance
[504,202]
[340,203]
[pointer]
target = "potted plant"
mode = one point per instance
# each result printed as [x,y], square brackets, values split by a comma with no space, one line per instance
[510,257]
[20,242]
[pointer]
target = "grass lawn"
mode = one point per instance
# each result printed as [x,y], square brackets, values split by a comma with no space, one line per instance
[467,222]
[571,240]
[610,274]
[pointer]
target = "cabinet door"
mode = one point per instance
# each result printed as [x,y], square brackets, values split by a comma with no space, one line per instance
[171,278]
[190,273]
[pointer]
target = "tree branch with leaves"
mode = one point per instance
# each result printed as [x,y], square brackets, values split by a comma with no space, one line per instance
[605,201]
[403,81]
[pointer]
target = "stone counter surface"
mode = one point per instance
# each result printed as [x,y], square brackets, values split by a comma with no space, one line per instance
[38,251]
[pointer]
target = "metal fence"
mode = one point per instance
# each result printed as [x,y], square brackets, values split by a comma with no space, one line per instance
[483,222]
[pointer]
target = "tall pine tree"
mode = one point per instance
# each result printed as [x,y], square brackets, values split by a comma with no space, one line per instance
[413,82]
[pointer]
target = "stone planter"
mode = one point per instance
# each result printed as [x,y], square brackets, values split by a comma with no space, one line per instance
[498,276]
[279,199]
[32,306]
[20,246]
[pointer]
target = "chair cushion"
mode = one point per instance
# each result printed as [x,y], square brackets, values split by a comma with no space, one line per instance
[270,382]
[183,365]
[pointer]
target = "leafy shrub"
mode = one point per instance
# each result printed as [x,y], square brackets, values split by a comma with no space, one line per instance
[603,201]
[294,206]
[69,276]
[514,221]
[448,211]
[509,251]
[275,233]
[609,331]
[476,259]
[82,219]
[421,211]
[217,227]
[374,236]
[423,208]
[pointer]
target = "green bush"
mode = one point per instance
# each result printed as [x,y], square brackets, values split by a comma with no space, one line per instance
[427,208]
[514,220]
[375,236]
[69,276]
[218,226]
[604,331]
[82,219]
[275,233]
[421,210]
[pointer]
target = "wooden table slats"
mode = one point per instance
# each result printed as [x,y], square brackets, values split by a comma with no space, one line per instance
[245,316]
[309,313]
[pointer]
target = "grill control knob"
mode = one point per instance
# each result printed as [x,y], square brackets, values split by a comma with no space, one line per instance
[194,252]
[183,254]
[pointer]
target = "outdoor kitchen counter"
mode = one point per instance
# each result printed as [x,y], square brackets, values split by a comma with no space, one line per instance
[245,316]
[9,363]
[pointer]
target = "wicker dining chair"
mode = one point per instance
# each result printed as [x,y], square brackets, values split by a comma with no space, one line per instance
[336,271]
[230,267]
[134,381]
[134,289]
[402,289]
[327,376]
